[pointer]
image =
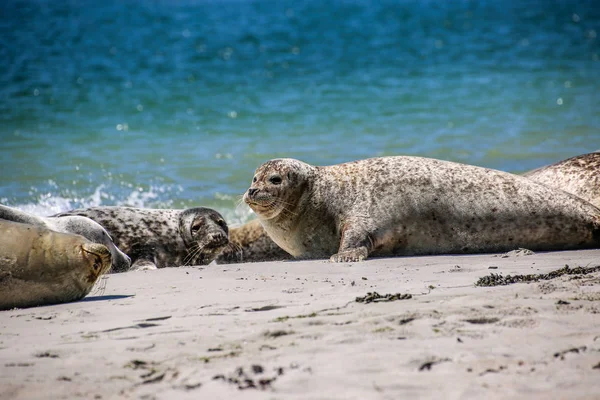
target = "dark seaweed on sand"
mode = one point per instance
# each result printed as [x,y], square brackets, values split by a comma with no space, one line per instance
[499,280]
[374,297]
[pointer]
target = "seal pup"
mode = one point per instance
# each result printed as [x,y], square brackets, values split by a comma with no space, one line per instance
[251,243]
[85,227]
[401,205]
[579,175]
[159,238]
[39,266]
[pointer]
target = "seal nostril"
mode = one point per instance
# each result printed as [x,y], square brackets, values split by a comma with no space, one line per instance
[252,191]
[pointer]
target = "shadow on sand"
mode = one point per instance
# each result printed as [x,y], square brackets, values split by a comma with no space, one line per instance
[110,297]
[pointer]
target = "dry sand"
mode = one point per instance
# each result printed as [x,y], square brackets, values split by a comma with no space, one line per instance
[293,330]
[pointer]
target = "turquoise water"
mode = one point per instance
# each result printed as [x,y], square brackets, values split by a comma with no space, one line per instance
[175,103]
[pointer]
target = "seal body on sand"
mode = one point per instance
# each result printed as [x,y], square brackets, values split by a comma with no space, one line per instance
[159,238]
[39,266]
[411,205]
[578,175]
[85,227]
[251,243]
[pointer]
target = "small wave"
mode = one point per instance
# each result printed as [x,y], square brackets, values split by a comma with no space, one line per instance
[52,203]
[231,207]
[239,213]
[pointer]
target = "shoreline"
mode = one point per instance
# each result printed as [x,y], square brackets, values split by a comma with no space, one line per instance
[294,330]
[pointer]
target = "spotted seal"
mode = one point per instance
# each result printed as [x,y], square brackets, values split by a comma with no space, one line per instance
[403,205]
[39,266]
[250,243]
[579,175]
[76,224]
[159,238]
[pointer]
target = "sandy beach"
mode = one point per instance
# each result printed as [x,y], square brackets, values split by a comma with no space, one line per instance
[284,330]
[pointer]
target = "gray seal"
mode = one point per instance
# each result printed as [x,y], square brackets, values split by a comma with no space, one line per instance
[579,175]
[251,243]
[394,206]
[78,225]
[39,266]
[159,238]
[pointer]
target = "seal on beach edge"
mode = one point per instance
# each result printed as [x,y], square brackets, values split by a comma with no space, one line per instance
[159,238]
[39,266]
[78,225]
[392,206]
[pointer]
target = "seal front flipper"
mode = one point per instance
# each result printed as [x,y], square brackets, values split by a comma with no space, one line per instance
[352,255]
[355,245]
[143,265]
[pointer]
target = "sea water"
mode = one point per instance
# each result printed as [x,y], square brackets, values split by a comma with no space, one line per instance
[156,103]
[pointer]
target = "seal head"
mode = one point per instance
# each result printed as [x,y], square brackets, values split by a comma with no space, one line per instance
[99,258]
[277,187]
[205,234]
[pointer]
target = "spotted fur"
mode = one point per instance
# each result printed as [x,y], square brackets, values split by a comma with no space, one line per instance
[159,238]
[578,175]
[393,206]
[250,243]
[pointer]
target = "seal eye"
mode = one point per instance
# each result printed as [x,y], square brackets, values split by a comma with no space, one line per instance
[97,263]
[222,224]
[254,179]
[275,180]
[195,228]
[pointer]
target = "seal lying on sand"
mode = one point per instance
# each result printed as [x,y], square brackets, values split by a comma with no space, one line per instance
[39,266]
[412,205]
[250,243]
[78,225]
[578,175]
[157,238]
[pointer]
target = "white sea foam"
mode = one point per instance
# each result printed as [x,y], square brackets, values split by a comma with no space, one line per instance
[231,207]
[239,214]
[50,203]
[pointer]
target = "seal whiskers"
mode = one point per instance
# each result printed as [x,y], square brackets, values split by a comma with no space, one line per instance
[100,287]
[282,208]
[193,253]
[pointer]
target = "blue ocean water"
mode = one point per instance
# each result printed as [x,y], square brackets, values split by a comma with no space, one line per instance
[159,103]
